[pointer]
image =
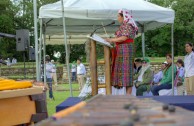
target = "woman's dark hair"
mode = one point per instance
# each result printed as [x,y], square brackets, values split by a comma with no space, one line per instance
[79,59]
[47,58]
[138,60]
[121,14]
[134,66]
[190,44]
[180,61]
[169,64]
[169,55]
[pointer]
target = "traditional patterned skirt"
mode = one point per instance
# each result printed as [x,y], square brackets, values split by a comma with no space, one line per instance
[122,72]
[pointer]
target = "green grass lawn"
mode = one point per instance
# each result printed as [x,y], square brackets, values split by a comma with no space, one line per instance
[60,96]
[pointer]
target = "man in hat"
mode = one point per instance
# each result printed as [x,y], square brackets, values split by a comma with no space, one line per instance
[144,78]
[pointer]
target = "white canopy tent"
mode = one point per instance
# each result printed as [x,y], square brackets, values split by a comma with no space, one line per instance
[81,17]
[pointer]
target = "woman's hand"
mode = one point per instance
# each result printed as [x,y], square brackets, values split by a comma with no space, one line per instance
[109,40]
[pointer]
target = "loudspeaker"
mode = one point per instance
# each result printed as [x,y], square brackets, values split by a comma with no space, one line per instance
[31,53]
[22,39]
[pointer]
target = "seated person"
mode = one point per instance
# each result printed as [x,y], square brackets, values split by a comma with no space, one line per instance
[144,78]
[137,66]
[158,76]
[180,73]
[166,82]
[2,61]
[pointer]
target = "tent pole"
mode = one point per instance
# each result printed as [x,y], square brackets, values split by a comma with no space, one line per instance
[172,44]
[40,49]
[44,51]
[36,38]
[66,49]
[143,41]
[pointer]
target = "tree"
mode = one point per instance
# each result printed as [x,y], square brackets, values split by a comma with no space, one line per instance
[7,13]
[16,14]
[158,42]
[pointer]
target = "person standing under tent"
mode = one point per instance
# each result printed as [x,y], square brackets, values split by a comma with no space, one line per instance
[49,68]
[81,72]
[123,54]
[189,68]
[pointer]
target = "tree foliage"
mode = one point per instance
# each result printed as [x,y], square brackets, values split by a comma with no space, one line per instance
[7,13]
[16,14]
[158,41]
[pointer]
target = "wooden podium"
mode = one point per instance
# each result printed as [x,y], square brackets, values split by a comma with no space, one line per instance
[93,67]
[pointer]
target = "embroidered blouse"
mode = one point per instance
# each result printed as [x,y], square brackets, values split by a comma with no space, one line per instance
[126,30]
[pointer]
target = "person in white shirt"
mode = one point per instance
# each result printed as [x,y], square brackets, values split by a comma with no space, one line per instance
[189,68]
[81,72]
[49,67]
[54,72]
[158,76]
[8,62]
[14,61]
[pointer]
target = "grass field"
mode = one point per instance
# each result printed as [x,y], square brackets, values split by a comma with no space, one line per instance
[60,96]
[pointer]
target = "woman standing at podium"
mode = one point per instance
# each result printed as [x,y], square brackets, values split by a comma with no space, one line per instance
[123,55]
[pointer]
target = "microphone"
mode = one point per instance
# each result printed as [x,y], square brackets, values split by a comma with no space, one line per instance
[113,22]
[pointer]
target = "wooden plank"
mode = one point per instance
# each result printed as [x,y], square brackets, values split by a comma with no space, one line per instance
[93,68]
[16,110]
[107,70]
[20,92]
[101,86]
[102,62]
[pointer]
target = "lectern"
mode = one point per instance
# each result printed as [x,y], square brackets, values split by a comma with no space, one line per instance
[93,65]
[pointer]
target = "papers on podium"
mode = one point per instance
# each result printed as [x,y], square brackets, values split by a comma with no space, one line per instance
[100,40]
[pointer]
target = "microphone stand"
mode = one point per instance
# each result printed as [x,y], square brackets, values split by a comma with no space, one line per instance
[101,27]
[95,31]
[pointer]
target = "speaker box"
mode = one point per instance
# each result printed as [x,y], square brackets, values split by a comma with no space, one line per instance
[31,53]
[22,39]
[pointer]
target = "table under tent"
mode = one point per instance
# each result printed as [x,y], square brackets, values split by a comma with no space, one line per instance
[78,18]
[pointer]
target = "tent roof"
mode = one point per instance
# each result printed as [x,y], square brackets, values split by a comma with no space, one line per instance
[72,39]
[82,16]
